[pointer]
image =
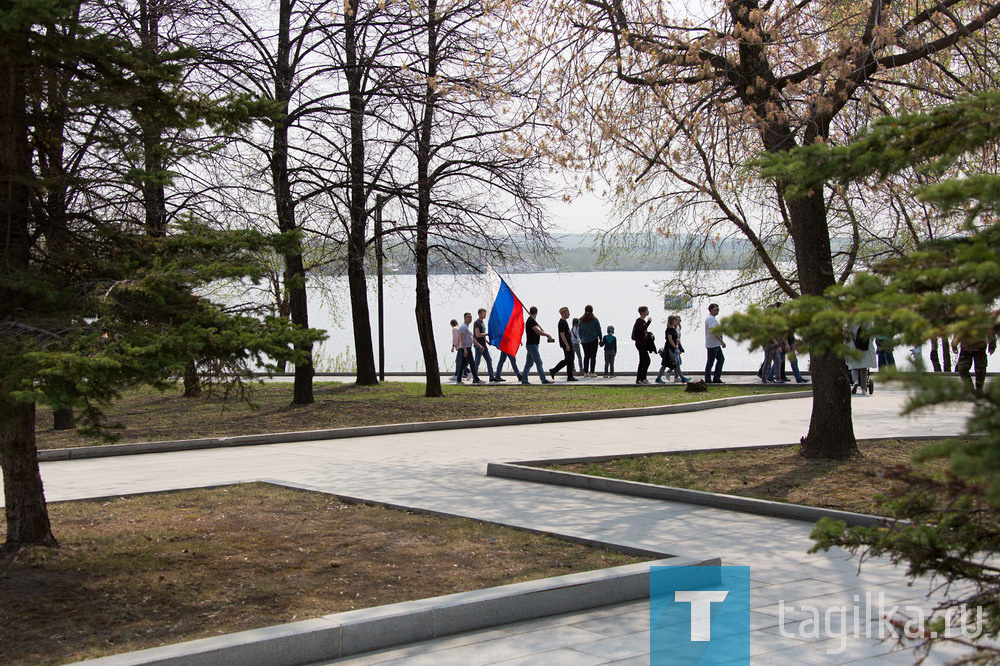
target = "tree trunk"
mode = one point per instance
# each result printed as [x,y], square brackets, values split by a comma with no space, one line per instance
[946,354]
[425,325]
[425,329]
[284,311]
[935,360]
[831,430]
[302,392]
[63,419]
[192,387]
[295,274]
[24,496]
[358,231]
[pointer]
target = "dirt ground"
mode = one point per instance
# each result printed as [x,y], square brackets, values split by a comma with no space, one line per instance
[147,415]
[147,570]
[774,473]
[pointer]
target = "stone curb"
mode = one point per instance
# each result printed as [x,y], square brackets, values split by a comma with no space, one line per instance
[50,455]
[524,472]
[364,630]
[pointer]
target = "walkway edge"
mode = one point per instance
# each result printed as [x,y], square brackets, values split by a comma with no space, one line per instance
[521,472]
[355,632]
[49,455]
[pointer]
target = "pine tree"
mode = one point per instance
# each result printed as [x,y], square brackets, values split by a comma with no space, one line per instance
[950,527]
[92,304]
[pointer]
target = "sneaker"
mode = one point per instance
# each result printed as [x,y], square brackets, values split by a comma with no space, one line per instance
[525,382]
[548,381]
[572,379]
[801,381]
[661,381]
[500,379]
[478,381]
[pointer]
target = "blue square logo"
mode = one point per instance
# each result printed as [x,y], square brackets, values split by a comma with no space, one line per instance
[699,615]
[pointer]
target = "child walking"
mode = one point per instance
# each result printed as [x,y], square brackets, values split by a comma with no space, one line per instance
[610,344]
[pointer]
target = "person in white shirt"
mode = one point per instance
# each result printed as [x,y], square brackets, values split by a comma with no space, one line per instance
[714,344]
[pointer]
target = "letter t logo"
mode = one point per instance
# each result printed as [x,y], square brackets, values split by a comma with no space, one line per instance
[701,611]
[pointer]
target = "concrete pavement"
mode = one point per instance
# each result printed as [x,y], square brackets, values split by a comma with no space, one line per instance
[444,472]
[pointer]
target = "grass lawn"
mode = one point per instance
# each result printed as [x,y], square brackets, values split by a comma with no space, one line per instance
[776,473]
[147,570]
[148,415]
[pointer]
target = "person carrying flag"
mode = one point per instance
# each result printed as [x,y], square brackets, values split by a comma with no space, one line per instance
[506,326]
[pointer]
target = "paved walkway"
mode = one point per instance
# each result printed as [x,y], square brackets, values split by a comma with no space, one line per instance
[444,471]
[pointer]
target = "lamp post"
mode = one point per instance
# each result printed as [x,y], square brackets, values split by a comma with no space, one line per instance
[379,202]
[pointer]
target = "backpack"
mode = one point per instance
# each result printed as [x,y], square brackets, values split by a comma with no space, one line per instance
[861,343]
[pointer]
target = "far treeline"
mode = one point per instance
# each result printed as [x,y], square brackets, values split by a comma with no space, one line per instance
[566,253]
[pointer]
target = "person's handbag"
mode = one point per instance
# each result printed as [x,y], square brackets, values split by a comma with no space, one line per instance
[667,354]
[650,342]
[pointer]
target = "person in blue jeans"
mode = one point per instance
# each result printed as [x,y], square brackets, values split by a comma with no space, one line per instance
[456,346]
[788,351]
[714,344]
[504,356]
[532,336]
[468,342]
[483,344]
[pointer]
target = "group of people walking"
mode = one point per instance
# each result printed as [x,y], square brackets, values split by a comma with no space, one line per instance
[580,340]
[579,343]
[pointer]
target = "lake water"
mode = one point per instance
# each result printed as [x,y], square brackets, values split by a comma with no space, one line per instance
[615,296]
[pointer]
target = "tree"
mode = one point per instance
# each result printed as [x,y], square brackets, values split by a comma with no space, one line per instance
[475,196]
[947,527]
[333,64]
[276,59]
[116,306]
[692,98]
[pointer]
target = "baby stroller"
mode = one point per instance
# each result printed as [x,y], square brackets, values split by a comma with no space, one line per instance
[861,379]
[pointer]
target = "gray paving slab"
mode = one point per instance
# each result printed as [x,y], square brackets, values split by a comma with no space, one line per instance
[444,472]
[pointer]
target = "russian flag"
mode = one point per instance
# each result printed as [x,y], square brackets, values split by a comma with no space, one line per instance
[506,323]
